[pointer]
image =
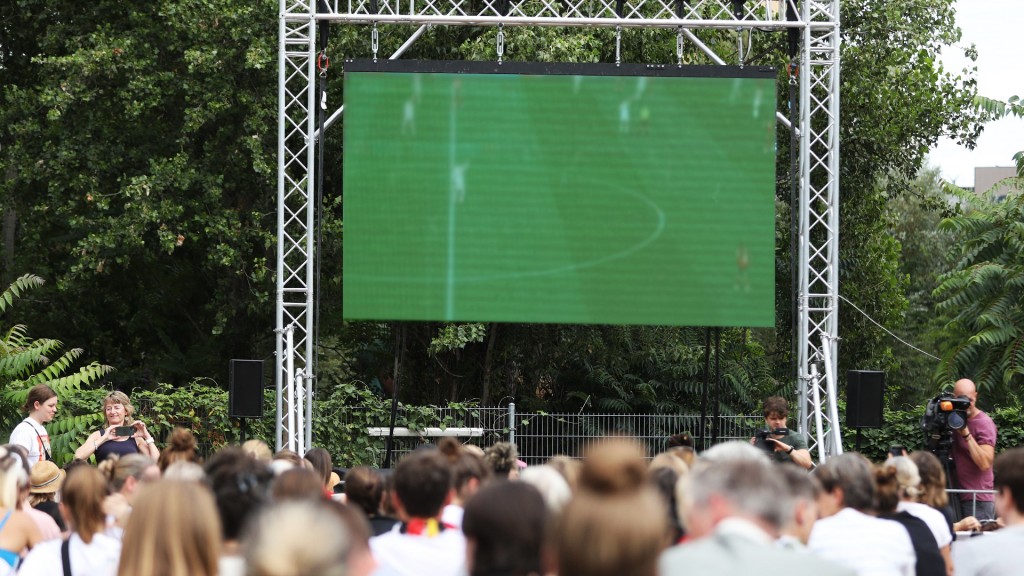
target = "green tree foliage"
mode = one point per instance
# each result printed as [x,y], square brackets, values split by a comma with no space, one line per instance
[925,253]
[984,294]
[896,103]
[138,148]
[26,362]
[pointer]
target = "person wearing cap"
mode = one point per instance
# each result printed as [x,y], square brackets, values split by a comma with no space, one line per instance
[44,483]
[118,411]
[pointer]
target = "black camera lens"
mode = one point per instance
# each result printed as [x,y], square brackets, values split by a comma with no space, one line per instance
[955,421]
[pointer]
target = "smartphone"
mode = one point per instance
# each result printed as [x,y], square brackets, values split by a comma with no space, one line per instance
[898,451]
[124,430]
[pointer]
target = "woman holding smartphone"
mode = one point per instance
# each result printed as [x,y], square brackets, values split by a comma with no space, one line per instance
[122,434]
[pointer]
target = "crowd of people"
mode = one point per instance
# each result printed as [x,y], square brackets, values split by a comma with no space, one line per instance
[456,509]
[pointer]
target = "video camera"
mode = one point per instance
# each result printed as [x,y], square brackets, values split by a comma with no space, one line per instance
[761,437]
[944,414]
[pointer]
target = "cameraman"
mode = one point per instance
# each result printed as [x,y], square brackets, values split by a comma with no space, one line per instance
[973,452]
[789,447]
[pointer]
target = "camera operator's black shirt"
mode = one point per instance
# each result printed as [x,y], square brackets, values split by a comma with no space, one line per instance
[794,439]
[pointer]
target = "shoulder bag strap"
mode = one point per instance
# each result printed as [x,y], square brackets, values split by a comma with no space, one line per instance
[65,556]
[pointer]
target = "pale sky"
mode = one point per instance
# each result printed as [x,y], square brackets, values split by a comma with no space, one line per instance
[994,26]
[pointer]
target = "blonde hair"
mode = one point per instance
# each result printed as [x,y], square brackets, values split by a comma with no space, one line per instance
[82,495]
[118,469]
[12,478]
[907,477]
[173,530]
[297,538]
[258,449]
[118,397]
[933,479]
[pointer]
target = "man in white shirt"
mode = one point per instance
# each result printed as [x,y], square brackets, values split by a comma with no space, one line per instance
[846,534]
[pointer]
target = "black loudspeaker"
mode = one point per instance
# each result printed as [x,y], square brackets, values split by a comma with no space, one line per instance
[865,393]
[245,392]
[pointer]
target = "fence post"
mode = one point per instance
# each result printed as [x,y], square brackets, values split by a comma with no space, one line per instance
[512,422]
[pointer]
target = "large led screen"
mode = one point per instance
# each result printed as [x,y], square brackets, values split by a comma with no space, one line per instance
[559,193]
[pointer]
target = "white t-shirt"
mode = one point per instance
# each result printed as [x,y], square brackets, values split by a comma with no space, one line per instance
[871,546]
[399,554]
[998,553]
[97,558]
[933,518]
[33,437]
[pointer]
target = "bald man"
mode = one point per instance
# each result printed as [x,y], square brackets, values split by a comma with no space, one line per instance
[974,448]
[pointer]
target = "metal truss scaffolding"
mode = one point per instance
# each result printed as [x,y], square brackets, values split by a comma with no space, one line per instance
[818,24]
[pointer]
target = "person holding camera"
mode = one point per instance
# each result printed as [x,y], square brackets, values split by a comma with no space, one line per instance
[783,444]
[121,436]
[974,448]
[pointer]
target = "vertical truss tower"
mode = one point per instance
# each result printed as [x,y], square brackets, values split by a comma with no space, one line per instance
[818,130]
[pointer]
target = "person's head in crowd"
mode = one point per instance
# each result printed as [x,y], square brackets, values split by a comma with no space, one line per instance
[907,477]
[117,409]
[181,446]
[804,491]
[504,528]
[669,460]
[503,459]
[616,523]
[240,486]
[126,473]
[568,467]
[320,461]
[360,558]
[258,449]
[1008,470]
[82,502]
[680,440]
[184,471]
[734,451]
[933,479]
[746,488]
[364,488]
[422,485]
[664,479]
[41,403]
[551,485]
[173,530]
[469,472]
[297,538]
[45,482]
[297,484]
[286,459]
[72,464]
[888,489]
[846,482]
[13,477]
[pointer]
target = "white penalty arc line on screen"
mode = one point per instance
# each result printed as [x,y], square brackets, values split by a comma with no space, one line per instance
[656,232]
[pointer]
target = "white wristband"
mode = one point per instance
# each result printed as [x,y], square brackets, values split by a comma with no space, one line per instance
[150,441]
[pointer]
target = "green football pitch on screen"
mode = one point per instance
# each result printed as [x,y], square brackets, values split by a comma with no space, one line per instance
[571,194]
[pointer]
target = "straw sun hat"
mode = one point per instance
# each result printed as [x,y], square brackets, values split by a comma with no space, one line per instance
[46,478]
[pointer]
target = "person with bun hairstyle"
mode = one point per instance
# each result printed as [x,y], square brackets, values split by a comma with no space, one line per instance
[503,459]
[181,447]
[469,473]
[105,442]
[40,407]
[889,490]
[124,478]
[89,548]
[616,524]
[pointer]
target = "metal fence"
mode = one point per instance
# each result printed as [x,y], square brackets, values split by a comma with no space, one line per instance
[541,435]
